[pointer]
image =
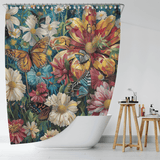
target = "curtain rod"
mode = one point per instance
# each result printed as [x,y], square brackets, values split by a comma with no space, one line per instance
[64,4]
[98,4]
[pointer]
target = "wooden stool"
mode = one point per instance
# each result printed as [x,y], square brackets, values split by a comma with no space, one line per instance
[146,131]
[127,105]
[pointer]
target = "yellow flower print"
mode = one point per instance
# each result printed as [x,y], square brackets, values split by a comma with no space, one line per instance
[13,42]
[7,46]
[49,52]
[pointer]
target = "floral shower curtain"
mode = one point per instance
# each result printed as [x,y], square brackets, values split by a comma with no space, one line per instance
[61,62]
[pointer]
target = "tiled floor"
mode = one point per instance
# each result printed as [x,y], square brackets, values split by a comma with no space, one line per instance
[102,151]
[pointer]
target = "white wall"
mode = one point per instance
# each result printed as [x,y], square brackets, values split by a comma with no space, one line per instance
[138,63]
[139,69]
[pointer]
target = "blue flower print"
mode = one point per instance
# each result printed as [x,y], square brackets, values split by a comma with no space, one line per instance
[35,75]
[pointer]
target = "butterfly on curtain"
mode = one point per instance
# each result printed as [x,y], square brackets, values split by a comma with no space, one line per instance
[41,110]
[80,88]
[37,55]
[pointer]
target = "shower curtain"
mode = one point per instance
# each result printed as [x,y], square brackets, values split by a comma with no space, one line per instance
[60,62]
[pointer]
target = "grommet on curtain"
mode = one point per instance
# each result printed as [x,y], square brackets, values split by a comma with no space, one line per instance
[96,7]
[79,7]
[115,7]
[106,7]
[110,7]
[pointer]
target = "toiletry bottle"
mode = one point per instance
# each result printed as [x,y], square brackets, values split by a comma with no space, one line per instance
[143,110]
[135,96]
[150,109]
[128,99]
[132,98]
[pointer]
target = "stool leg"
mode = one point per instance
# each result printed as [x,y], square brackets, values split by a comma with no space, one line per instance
[159,125]
[137,127]
[156,136]
[118,125]
[146,134]
[124,129]
[130,129]
[141,131]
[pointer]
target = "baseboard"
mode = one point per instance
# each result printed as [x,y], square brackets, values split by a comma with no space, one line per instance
[110,139]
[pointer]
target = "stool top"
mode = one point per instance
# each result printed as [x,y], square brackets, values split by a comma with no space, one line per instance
[151,116]
[127,103]
[124,102]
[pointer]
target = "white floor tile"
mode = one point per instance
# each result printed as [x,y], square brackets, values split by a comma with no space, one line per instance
[102,151]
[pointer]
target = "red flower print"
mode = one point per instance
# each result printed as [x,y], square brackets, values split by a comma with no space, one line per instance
[96,78]
[16,131]
[60,71]
[100,101]
[111,83]
[41,87]
[38,97]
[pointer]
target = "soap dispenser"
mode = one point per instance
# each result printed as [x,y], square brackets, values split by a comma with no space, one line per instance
[151,109]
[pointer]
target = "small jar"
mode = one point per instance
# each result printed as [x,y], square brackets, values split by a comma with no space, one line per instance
[156,112]
[153,112]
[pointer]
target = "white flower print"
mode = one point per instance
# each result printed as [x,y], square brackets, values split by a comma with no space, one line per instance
[50,28]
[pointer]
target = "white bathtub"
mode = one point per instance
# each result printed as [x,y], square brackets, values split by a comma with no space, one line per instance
[84,132]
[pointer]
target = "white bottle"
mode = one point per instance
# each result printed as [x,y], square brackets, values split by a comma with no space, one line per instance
[135,96]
